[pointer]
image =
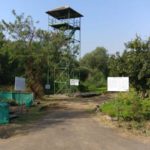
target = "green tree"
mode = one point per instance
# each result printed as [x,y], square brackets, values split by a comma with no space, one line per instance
[31,52]
[137,57]
[97,59]
[94,69]
[135,63]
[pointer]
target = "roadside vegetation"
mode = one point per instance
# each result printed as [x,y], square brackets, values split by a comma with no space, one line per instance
[33,53]
[130,110]
[128,106]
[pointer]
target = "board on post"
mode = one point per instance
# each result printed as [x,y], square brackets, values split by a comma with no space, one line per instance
[20,84]
[118,84]
[47,86]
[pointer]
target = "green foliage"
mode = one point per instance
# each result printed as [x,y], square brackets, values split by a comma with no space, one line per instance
[94,70]
[135,63]
[84,73]
[146,108]
[95,80]
[97,59]
[128,106]
[109,108]
[32,53]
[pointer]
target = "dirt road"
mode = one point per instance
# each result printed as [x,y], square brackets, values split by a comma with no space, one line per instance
[72,128]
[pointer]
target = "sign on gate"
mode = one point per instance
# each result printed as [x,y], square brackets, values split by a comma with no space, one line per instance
[47,86]
[74,82]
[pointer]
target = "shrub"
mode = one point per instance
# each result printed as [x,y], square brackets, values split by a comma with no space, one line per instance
[109,108]
[128,106]
[146,109]
[95,80]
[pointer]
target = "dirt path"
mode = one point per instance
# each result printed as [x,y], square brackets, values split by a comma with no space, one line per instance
[72,127]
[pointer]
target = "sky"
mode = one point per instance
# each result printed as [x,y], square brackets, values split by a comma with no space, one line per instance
[106,23]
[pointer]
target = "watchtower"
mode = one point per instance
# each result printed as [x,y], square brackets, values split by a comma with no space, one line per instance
[68,21]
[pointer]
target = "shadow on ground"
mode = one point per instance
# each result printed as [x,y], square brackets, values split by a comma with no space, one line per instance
[55,116]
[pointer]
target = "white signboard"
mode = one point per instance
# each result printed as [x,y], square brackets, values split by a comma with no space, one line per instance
[119,84]
[74,82]
[20,84]
[47,86]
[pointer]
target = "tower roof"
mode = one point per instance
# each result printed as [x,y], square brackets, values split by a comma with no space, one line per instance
[64,12]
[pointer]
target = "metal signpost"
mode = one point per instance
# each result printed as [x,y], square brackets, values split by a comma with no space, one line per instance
[20,84]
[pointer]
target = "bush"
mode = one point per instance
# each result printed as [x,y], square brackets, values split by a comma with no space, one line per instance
[128,106]
[95,80]
[109,108]
[146,108]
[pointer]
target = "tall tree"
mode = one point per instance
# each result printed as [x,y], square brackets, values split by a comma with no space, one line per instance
[32,52]
[97,59]
[94,69]
[135,63]
[137,57]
